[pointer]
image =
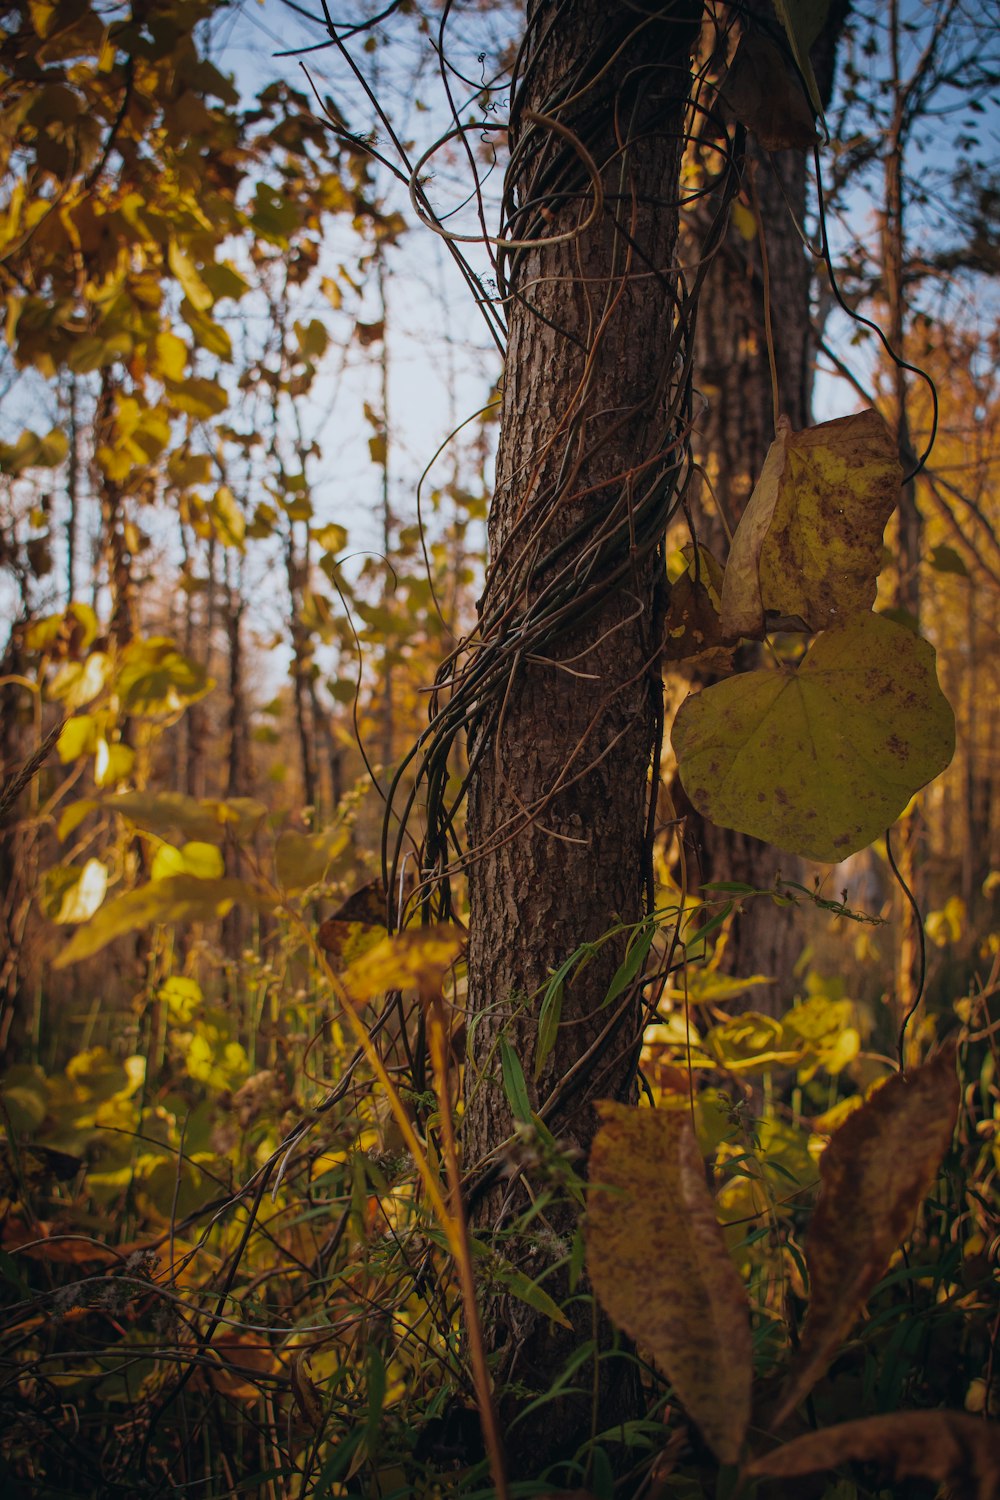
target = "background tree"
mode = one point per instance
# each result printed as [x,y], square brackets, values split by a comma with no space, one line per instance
[753,358]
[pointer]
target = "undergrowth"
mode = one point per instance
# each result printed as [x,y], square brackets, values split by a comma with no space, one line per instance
[221,1274]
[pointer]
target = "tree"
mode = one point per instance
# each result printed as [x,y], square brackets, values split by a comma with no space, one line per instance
[753,359]
[565,732]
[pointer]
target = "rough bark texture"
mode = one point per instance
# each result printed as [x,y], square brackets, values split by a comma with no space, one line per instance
[559,797]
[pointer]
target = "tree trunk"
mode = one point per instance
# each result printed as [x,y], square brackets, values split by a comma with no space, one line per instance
[731,439]
[559,810]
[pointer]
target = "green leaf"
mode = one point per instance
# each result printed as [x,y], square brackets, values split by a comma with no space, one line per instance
[375,1398]
[525,1290]
[198,397]
[313,338]
[945,559]
[223,280]
[206,820]
[514,1085]
[660,1268]
[803,21]
[820,760]
[188,469]
[182,898]
[874,1175]
[33,452]
[549,1016]
[208,334]
[635,957]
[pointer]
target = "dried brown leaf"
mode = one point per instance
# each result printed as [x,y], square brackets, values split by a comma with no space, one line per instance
[946,1446]
[767,97]
[874,1175]
[742,609]
[660,1268]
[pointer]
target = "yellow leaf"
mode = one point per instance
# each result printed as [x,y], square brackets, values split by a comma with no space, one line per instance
[203,861]
[809,543]
[182,997]
[78,683]
[155,678]
[170,356]
[180,898]
[183,267]
[661,1270]
[228,519]
[822,759]
[874,1175]
[750,1043]
[112,763]
[418,959]
[77,737]
[73,893]
[302,860]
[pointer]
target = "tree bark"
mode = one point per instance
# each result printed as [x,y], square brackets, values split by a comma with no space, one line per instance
[559,809]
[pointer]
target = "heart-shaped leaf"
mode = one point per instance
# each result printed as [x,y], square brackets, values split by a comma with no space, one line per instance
[819,760]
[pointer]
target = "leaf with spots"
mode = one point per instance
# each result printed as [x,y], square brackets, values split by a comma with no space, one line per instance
[874,1175]
[660,1269]
[809,544]
[819,760]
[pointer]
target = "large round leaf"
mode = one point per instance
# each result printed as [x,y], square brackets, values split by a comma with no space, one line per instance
[819,760]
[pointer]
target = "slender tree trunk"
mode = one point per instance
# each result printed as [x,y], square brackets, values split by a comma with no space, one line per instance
[238,775]
[117,558]
[732,435]
[297,572]
[559,801]
[910,834]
